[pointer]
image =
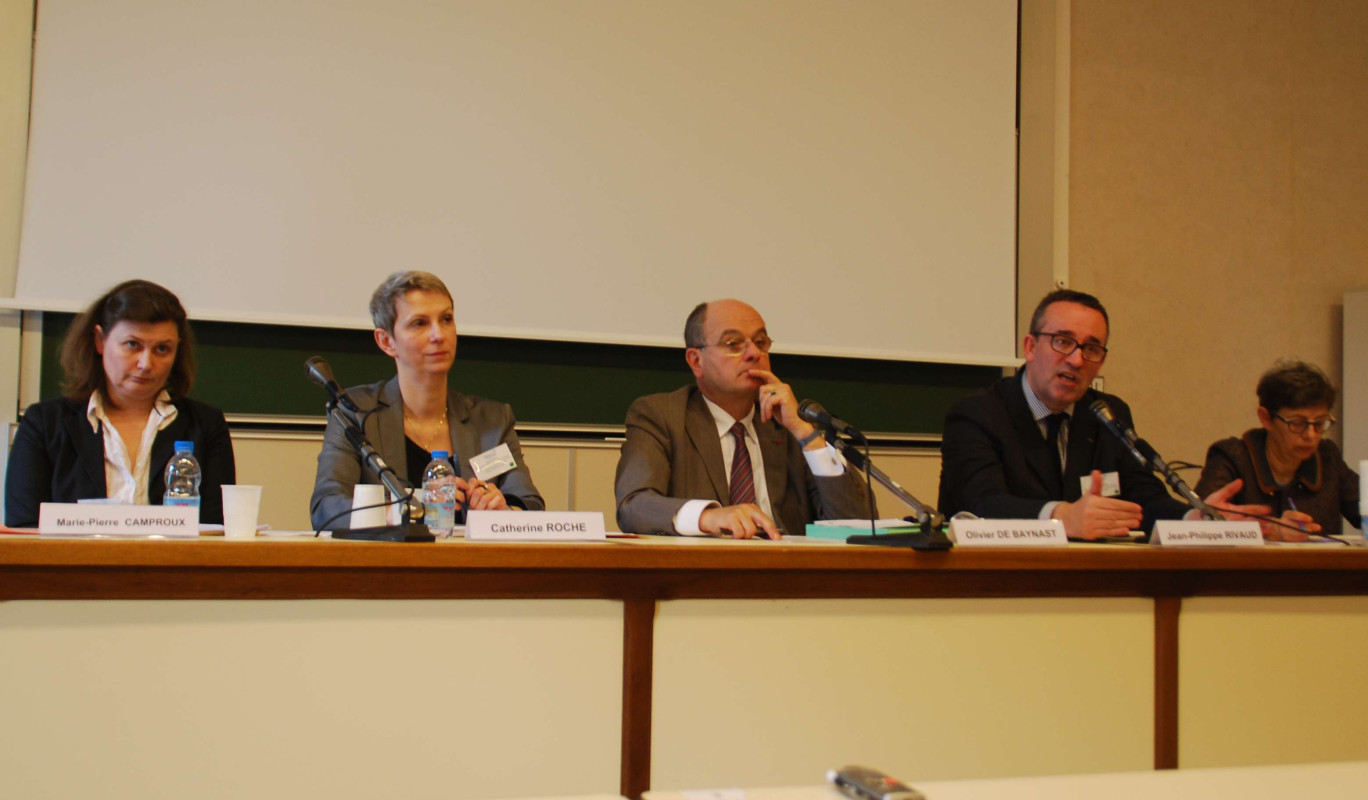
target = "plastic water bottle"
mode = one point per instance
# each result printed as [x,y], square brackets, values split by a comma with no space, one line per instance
[182,477]
[439,495]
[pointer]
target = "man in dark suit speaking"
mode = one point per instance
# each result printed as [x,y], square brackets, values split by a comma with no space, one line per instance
[729,455]
[1029,448]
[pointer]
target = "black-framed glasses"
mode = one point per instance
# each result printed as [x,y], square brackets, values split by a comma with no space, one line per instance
[1064,345]
[736,345]
[1300,424]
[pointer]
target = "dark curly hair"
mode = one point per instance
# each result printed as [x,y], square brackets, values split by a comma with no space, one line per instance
[1294,384]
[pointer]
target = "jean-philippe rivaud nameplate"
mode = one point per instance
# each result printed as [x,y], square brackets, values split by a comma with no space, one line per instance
[1207,533]
[104,519]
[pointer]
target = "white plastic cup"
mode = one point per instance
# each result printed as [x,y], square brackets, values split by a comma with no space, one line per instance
[241,505]
[368,494]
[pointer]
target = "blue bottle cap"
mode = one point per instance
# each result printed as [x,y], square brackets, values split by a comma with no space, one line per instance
[439,455]
[190,446]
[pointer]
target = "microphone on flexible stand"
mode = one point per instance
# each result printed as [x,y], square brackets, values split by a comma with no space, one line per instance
[932,522]
[812,411]
[320,373]
[1149,458]
[412,528]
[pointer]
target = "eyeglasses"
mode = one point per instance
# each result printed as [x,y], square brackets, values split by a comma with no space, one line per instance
[1300,424]
[736,345]
[1064,345]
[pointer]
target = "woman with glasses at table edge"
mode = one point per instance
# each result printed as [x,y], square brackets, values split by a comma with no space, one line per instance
[1287,463]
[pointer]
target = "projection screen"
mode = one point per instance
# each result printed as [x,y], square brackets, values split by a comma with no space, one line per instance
[581,170]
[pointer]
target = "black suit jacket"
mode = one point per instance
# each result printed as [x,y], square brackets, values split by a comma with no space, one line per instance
[995,462]
[57,457]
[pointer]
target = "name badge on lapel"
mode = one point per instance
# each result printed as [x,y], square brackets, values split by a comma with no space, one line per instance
[1111,484]
[493,462]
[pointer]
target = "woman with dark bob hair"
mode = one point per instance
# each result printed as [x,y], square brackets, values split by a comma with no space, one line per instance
[1287,463]
[417,412]
[129,363]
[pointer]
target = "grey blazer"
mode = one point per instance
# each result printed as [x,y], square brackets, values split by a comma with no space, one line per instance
[477,425]
[673,454]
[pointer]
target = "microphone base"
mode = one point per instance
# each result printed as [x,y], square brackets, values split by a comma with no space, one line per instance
[414,532]
[925,541]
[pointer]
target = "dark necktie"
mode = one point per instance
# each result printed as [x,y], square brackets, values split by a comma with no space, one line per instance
[1052,425]
[742,477]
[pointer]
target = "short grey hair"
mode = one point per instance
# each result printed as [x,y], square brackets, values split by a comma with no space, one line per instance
[387,294]
[693,326]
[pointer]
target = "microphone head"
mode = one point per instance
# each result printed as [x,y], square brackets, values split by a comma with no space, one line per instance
[812,411]
[318,370]
[1102,411]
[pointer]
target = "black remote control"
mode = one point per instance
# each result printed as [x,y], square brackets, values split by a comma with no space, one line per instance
[863,783]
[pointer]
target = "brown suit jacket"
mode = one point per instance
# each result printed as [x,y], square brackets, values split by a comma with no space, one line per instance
[1324,487]
[673,455]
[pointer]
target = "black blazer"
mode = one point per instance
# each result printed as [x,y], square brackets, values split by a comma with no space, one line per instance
[995,462]
[58,457]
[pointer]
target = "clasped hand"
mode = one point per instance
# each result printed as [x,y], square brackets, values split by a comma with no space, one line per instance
[477,495]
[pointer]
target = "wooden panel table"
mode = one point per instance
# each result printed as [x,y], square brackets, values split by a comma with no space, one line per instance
[1334,781]
[642,573]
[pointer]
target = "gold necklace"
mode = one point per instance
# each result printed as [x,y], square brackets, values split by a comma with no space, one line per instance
[425,439]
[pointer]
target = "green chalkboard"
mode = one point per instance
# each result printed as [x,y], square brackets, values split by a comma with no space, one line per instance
[259,369]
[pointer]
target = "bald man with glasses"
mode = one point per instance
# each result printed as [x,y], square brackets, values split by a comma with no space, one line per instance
[1029,448]
[729,455]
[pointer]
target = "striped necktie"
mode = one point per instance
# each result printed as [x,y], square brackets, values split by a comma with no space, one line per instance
[742,477]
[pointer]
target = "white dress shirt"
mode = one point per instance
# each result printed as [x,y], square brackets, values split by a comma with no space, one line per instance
[126,482]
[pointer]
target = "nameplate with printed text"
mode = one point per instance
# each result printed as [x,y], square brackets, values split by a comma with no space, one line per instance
[86,519]
[1008,533]
[534,526]
[1207,533]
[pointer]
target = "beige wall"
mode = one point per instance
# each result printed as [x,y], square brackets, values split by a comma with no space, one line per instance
[1219,186]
